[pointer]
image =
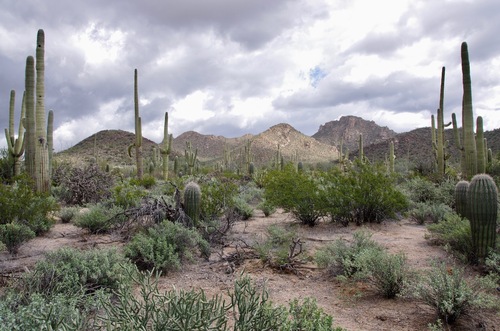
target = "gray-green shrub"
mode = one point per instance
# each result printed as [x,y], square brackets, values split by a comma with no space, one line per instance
[99,218]
[14,234]
[165,247]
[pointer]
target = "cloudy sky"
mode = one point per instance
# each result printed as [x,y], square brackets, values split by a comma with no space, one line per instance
[230,67]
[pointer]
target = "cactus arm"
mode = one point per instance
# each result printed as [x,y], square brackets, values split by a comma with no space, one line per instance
[468,116]
[481,156]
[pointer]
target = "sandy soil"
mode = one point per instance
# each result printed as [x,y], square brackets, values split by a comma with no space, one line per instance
[354,306]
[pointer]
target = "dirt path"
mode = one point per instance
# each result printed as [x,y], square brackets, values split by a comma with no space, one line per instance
[354,306]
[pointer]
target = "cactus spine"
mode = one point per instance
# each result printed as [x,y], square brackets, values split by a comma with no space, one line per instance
[15,145]
[138,132]
[461,197]
[482,209]
[192,202]
[166,148]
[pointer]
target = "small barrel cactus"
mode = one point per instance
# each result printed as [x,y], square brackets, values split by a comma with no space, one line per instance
[192,202]
[482,209]
[461,197]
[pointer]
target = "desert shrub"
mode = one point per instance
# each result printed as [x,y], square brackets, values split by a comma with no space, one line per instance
[297,193]
[99,218]
[20,204]
[349,259]
[14,234]
[147,181]
[267,208]
[66,214]
[218,196]
[280,248]
[448,292]
[389,273]
[60,312]
[453,231]
[423,212]
[251,193]
[127,195]
[364,193]
[242,208]
[6,166]
[492,263]
[165,247]
[70,271]
[2,247]
[420,189]
[79,186]
[249,308]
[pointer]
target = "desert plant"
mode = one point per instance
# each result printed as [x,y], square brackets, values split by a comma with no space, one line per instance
[429,212]
[454,232]
[446,289]
[482,211]
[389,273]
[267,208]
[99,218]
[365,193]
[348,259]
[83,185]
[297,193]
[218,197]
[19,203]
[306,315]
[165,247]
[14,234]
[66,214]
[192,202]
[461,197]
[242,208]
[70,271]
[280,248]
[128,195]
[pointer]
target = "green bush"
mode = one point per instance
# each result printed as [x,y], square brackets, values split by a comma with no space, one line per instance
[127,195]
[389,273]
[349,259]
[99,218]
[424,212]
[19,203]
[249,308]
[66,214]
[267,208]
[278,249]
[364,193]
[451,295]
[297,193]
[147,181]
[165,247]
[70,271]
[453,232]
[14,234]
[218,197]
[242,208]
[420,189]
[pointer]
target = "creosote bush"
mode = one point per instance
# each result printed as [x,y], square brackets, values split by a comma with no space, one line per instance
[165,247]
[14,234]
[99,218]
[297,193]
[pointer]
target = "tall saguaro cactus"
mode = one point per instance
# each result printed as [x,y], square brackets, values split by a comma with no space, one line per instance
[165,148]
[438,142]
[190,156]
[138,132]
[37,146]
[468,146]
[15,145]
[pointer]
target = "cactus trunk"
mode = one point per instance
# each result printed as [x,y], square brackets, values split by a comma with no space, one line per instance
[469,143]
[460,195]
[166,147]
[192,202]
[482,209]
[15,146]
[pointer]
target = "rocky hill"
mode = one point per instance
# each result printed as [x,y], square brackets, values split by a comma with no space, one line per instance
[348,129]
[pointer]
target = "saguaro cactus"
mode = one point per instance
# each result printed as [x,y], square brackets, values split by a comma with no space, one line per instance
[461,197]
[468,146]
[15,145]
[438,142]
[482,209]
[192,202]
[165,148]
[37,147]
[480,146]
[138,132]
[392,157]
[190,157]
